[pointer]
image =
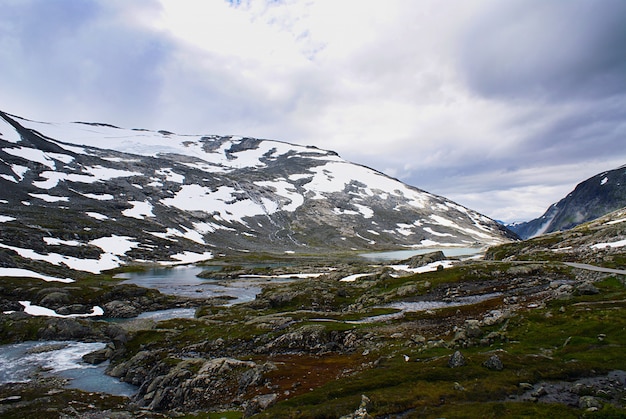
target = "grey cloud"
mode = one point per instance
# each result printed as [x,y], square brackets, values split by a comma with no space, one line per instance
[62,55]
[552,50]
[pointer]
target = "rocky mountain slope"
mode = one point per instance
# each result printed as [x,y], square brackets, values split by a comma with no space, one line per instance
[91,197]
[593,198]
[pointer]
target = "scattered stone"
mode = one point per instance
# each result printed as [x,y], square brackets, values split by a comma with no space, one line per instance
[259,403]
[525,386]
[10,399]
[457,360]
[586,288]
[589,402]
[601,337]
[458,387]
[494,363]
[361,412]
[540,392]
[99,356]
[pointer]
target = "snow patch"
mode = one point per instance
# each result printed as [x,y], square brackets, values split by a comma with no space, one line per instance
[52,241]
[99,197]
[6,218]
[140,210]
[31,154]
[604,181]
[620,243]
[25,273]
[34,310]
[49,198]
[97,216]
[354,277]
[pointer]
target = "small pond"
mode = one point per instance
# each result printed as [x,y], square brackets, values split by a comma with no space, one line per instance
[21,362]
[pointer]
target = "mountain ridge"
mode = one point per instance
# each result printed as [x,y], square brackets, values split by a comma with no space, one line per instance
[166,198]
[592,198]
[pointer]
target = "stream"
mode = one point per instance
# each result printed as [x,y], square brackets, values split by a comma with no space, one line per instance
[23,362]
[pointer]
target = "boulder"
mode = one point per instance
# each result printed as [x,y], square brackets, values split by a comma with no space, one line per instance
[457,360]
[120,309]
[422,260]
[494,363]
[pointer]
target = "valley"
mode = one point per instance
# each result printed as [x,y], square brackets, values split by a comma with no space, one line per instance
[231,277]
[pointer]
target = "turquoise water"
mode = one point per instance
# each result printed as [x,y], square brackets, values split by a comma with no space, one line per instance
[24,361]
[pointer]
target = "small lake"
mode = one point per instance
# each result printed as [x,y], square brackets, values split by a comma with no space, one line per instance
[21,362]
[184,281]
[405,254]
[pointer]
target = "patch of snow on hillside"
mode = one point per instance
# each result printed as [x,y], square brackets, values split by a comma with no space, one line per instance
[99,197]
[49,198]
[340,211]
[98,173]
[620,243]
[287,190]
[426,268]
[296,177]
[404,229]
[192,235]
[227,201]
[621,220]
[367,212]
[448,223]
[52,241]
[97,216]
[61,157]
[31,154]
[115,245]
[5,219]
[8,133]
[436,233]
[189,257]
[107,173]
[203,227]
[604,181]
[35,310]
[170,175]
[140,210]
[354,277]
[20,171]
[25,273]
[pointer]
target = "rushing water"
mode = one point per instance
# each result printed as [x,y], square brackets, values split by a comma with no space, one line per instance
[405,254]
[21,362]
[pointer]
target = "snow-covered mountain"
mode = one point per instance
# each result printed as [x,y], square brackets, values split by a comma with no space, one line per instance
[591,199]
[92,196]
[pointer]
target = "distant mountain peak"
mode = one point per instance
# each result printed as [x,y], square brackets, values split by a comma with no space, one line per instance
[590,199]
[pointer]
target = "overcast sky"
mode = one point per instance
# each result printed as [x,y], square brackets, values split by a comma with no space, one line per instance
[501,106]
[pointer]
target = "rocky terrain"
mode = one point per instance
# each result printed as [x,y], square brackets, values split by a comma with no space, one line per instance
[528,332]
[591,199]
